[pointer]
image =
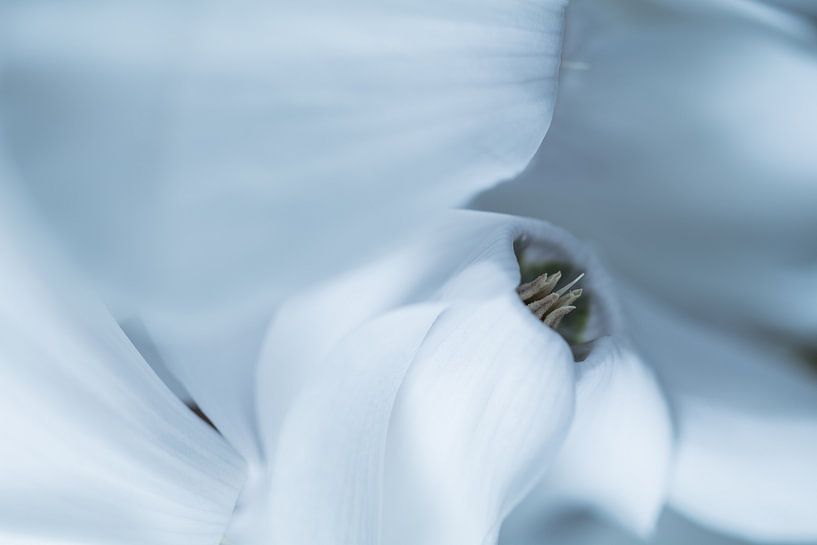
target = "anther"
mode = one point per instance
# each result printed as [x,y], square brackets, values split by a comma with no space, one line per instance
[541,306]
[546,304]
[553,319]
[543,284]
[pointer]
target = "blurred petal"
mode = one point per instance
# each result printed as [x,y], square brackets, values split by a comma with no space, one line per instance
[748,426]
[95,448]
[618,455]
[206,159]
[682,147]
[803,7]
[576,528]
[461,417]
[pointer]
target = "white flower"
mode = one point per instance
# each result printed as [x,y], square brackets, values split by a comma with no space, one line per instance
[417,400]
[212,166]
[681,148]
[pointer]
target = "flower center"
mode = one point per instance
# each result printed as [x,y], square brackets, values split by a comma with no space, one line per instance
[546,302]
[558,303]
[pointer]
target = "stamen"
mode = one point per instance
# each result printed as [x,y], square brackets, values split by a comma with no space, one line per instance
[548,305]
[543,284]
[569,298]
[575,281]
[567,308]
[555,318]
[541,306]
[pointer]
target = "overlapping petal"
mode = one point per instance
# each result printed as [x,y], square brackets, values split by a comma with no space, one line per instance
[618,457]
[95,448]
[482,411]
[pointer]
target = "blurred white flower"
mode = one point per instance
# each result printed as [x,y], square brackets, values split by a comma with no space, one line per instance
[682,149]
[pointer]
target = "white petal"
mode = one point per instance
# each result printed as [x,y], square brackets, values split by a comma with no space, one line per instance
[681,147]
[747,417]
[483,410]
[618,455]
[205,159]
[95,448]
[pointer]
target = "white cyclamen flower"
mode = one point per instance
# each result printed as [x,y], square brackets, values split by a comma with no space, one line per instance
[682,147]
[418,399]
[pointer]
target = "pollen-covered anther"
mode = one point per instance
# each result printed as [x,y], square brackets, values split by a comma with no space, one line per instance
[546,304]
